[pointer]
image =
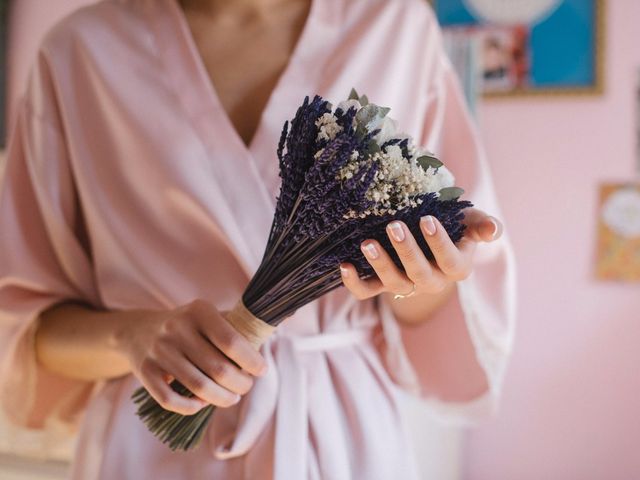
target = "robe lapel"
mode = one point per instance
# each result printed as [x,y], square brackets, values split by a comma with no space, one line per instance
[246,177]
[244,206]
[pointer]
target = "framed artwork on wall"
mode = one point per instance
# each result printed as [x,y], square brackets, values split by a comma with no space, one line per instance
[530,47]
[618,246]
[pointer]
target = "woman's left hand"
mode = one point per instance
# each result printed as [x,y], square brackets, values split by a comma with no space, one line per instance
[452,262]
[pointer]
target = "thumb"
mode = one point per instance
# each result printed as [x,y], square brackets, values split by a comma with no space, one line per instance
[482,227]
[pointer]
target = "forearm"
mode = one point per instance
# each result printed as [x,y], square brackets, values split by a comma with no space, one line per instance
[79,342]
[418,308]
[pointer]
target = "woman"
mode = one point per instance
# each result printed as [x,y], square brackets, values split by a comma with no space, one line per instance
[136,203]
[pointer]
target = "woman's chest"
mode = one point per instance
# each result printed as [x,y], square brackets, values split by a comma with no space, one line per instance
[244,55]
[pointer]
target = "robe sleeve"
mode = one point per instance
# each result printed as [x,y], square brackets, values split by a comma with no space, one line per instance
[44,259]
[457,358]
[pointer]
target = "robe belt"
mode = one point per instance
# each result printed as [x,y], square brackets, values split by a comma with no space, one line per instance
[287,399]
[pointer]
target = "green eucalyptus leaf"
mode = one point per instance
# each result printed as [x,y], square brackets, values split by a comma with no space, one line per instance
[384,110]
[361,132]
[367,114]
[363,100]
[426,161]
[450,193]
[373,147]
[353,95]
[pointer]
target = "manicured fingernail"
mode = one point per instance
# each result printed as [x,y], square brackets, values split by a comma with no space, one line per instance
[237,399]
[494,232]
[396,230]
[370,250]
[428,225]
[344,271]
[263,370]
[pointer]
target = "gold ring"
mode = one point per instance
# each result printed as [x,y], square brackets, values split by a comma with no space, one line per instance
[400,295]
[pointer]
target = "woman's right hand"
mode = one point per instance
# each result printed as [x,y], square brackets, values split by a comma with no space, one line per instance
[195,345]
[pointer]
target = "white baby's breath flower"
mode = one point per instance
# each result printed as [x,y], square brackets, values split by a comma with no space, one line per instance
[347,172]
[399,178]
[398,181]
[328,127]
[394,152]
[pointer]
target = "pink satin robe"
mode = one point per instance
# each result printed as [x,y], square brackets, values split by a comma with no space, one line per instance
[126,186]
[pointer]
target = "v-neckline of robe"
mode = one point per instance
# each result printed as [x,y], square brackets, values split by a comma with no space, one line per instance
[242,177]
[209,93]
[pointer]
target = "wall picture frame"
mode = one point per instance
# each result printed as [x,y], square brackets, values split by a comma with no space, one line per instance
[531,47]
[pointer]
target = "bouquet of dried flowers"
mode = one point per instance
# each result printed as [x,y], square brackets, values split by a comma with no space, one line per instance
[346,173]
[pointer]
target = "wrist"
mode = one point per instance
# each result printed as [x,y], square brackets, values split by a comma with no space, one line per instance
[127,328]
[418,308]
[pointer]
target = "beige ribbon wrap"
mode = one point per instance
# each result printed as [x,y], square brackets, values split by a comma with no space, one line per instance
[251,327]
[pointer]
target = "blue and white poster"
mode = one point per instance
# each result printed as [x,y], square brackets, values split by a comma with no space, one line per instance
[530,45]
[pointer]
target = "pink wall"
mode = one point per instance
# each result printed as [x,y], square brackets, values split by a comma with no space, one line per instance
[571,407]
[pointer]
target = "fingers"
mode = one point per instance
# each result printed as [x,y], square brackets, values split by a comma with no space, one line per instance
[454,261]
[218,367]
[197,347]
[228,340]
[152,377]
[416,265]
[361,289]
[490,229]
[391,276]
[197,382]
[482,227]
[450,260]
